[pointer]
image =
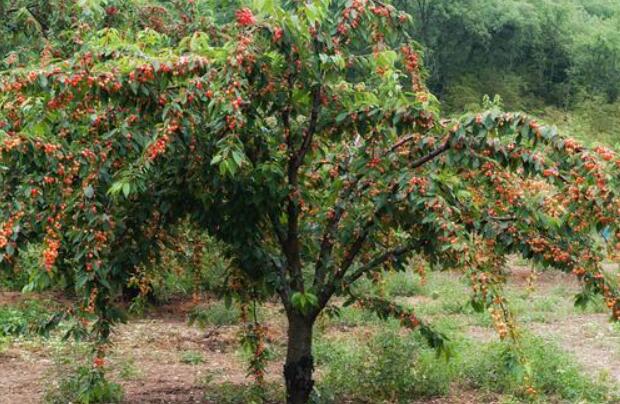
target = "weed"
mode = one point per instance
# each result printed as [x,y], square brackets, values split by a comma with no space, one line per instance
[85,386]
[389,367]
[351,316]
[129,370]
[492,367]
[230,393]
[403,284]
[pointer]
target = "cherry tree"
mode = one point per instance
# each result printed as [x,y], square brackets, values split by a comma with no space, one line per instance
[302,137]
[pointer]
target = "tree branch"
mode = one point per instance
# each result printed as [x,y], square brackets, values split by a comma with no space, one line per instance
[352,252]
[291,248]
[401,142]
[381,259]
[44,27]
[283,288]
[296,158]
[327,243]
[503,218]
[278,231]
[423,160]
[390,255]
[314,116]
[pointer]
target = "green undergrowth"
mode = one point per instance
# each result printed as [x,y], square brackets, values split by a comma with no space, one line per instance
[364,359]
[24,318]
[396,366]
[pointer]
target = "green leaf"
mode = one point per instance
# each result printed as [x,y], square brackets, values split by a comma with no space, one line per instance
[304,301]
[386,59]
[238,158]
[582,299]
[216,159]
[126,189]
[264,6]
[341,117]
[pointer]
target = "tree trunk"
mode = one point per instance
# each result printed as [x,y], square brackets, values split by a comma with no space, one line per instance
[299,362]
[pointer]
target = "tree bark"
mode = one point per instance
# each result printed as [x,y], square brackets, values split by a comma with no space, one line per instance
[299,361]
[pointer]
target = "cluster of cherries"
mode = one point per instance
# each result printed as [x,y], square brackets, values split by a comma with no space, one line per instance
[245,17]
[412,65]
[6,230]
[52,242]
[418,184]
[159,146]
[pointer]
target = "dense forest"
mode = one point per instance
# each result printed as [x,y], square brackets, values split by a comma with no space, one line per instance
[560,59]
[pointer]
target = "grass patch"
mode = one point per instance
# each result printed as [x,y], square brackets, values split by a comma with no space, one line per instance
[403,284]
[84,385]
[192,358]
[230,393]
[128,370]
[214,314]
[350,316]
[397,366]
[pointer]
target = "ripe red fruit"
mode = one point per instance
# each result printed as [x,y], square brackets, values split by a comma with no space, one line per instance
[99,362]
[550,172]
[245,17]
[111,11]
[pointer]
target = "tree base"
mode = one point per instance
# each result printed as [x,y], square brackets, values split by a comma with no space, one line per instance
[299,383]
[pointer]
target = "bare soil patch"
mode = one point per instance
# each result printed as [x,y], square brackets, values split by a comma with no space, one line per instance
[21,377]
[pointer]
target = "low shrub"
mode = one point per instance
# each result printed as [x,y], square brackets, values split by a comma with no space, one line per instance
[23,318]
[192,358]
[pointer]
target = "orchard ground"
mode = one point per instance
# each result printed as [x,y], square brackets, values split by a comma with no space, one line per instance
[158,357]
